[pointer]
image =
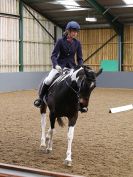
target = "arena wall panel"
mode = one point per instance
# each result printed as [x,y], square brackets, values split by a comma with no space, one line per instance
[9,36]
[31,80]
[9,6]
[128,48]
[20,81]
[92,39]
[38,45]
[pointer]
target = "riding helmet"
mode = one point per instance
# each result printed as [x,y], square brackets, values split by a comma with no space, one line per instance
[73,25]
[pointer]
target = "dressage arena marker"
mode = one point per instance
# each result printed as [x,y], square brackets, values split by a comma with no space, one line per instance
[7,170]
[121,108]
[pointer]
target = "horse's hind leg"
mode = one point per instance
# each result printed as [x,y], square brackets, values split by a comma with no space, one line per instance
[49,136]
[43,126]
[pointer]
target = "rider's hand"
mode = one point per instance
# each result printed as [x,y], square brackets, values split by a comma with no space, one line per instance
[59,69]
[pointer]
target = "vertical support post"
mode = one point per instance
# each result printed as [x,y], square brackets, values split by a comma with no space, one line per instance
[21,36]
[120,49]
[55,34]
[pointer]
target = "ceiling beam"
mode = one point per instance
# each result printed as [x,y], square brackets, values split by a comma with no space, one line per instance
[35,1]
[117,26]
[46,1]
[67,10]
[125,20]
[63,18]
[80,19]
[119,6]
[98,25]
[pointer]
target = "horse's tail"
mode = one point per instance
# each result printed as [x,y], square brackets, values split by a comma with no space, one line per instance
[60,121]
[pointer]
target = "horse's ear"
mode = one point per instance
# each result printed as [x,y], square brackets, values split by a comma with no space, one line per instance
[90,73]
[87,69]
[99,72]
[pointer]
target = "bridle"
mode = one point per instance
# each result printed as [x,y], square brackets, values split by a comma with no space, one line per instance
[79,88]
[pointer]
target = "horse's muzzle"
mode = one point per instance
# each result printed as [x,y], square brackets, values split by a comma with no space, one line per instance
[83,104]
[83,109]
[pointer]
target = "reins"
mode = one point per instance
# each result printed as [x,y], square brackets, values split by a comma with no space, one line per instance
[77,92]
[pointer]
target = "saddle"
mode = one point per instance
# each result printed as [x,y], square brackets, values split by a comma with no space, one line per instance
[58,77]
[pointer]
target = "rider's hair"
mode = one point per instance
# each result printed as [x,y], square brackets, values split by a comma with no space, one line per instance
[66,32]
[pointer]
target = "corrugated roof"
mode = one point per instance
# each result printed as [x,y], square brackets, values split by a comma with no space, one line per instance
[60,15]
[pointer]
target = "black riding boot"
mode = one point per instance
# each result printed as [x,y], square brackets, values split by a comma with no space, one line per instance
[38,102]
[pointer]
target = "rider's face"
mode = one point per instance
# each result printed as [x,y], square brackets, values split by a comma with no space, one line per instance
[73,33]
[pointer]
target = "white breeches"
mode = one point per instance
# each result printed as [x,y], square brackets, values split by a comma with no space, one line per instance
[48,80]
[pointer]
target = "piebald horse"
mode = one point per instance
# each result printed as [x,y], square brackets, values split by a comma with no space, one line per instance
[67,95]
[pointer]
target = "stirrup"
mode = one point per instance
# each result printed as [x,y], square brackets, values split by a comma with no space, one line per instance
[38,103]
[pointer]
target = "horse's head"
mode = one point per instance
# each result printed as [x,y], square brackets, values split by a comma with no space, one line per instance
[85,78]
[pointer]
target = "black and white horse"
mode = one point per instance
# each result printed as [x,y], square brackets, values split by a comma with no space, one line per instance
[68,93]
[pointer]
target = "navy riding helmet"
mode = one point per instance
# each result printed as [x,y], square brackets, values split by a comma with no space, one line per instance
[73,25]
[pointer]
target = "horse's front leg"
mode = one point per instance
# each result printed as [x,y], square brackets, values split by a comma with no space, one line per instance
[43,126]
[49,140]
[70,135]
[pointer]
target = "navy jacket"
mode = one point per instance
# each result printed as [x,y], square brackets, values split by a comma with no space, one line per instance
[64,53]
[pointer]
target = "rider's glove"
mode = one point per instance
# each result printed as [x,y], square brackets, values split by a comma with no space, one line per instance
[59,69]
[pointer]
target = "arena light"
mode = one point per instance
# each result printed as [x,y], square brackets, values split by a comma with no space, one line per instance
[128,1]
[69,4]
[90,19]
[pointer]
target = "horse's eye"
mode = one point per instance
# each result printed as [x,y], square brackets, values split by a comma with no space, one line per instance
[86,99]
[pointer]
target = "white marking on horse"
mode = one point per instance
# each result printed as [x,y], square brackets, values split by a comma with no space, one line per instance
[74,78]
[92,85]
[70,139]
[43,126]
[49,139]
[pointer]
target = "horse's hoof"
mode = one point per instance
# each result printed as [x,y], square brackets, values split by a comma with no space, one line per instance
[48,151]
[42,147]
[68,163]
[43,144]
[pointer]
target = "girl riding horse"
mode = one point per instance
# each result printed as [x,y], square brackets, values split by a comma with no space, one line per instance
[63,56]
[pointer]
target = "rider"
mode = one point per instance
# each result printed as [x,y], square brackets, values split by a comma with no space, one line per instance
[63,55]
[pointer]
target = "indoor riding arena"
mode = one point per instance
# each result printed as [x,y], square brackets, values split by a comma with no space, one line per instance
[103,137]
[102,145]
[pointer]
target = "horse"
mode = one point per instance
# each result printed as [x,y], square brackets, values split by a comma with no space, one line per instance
[67,95]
